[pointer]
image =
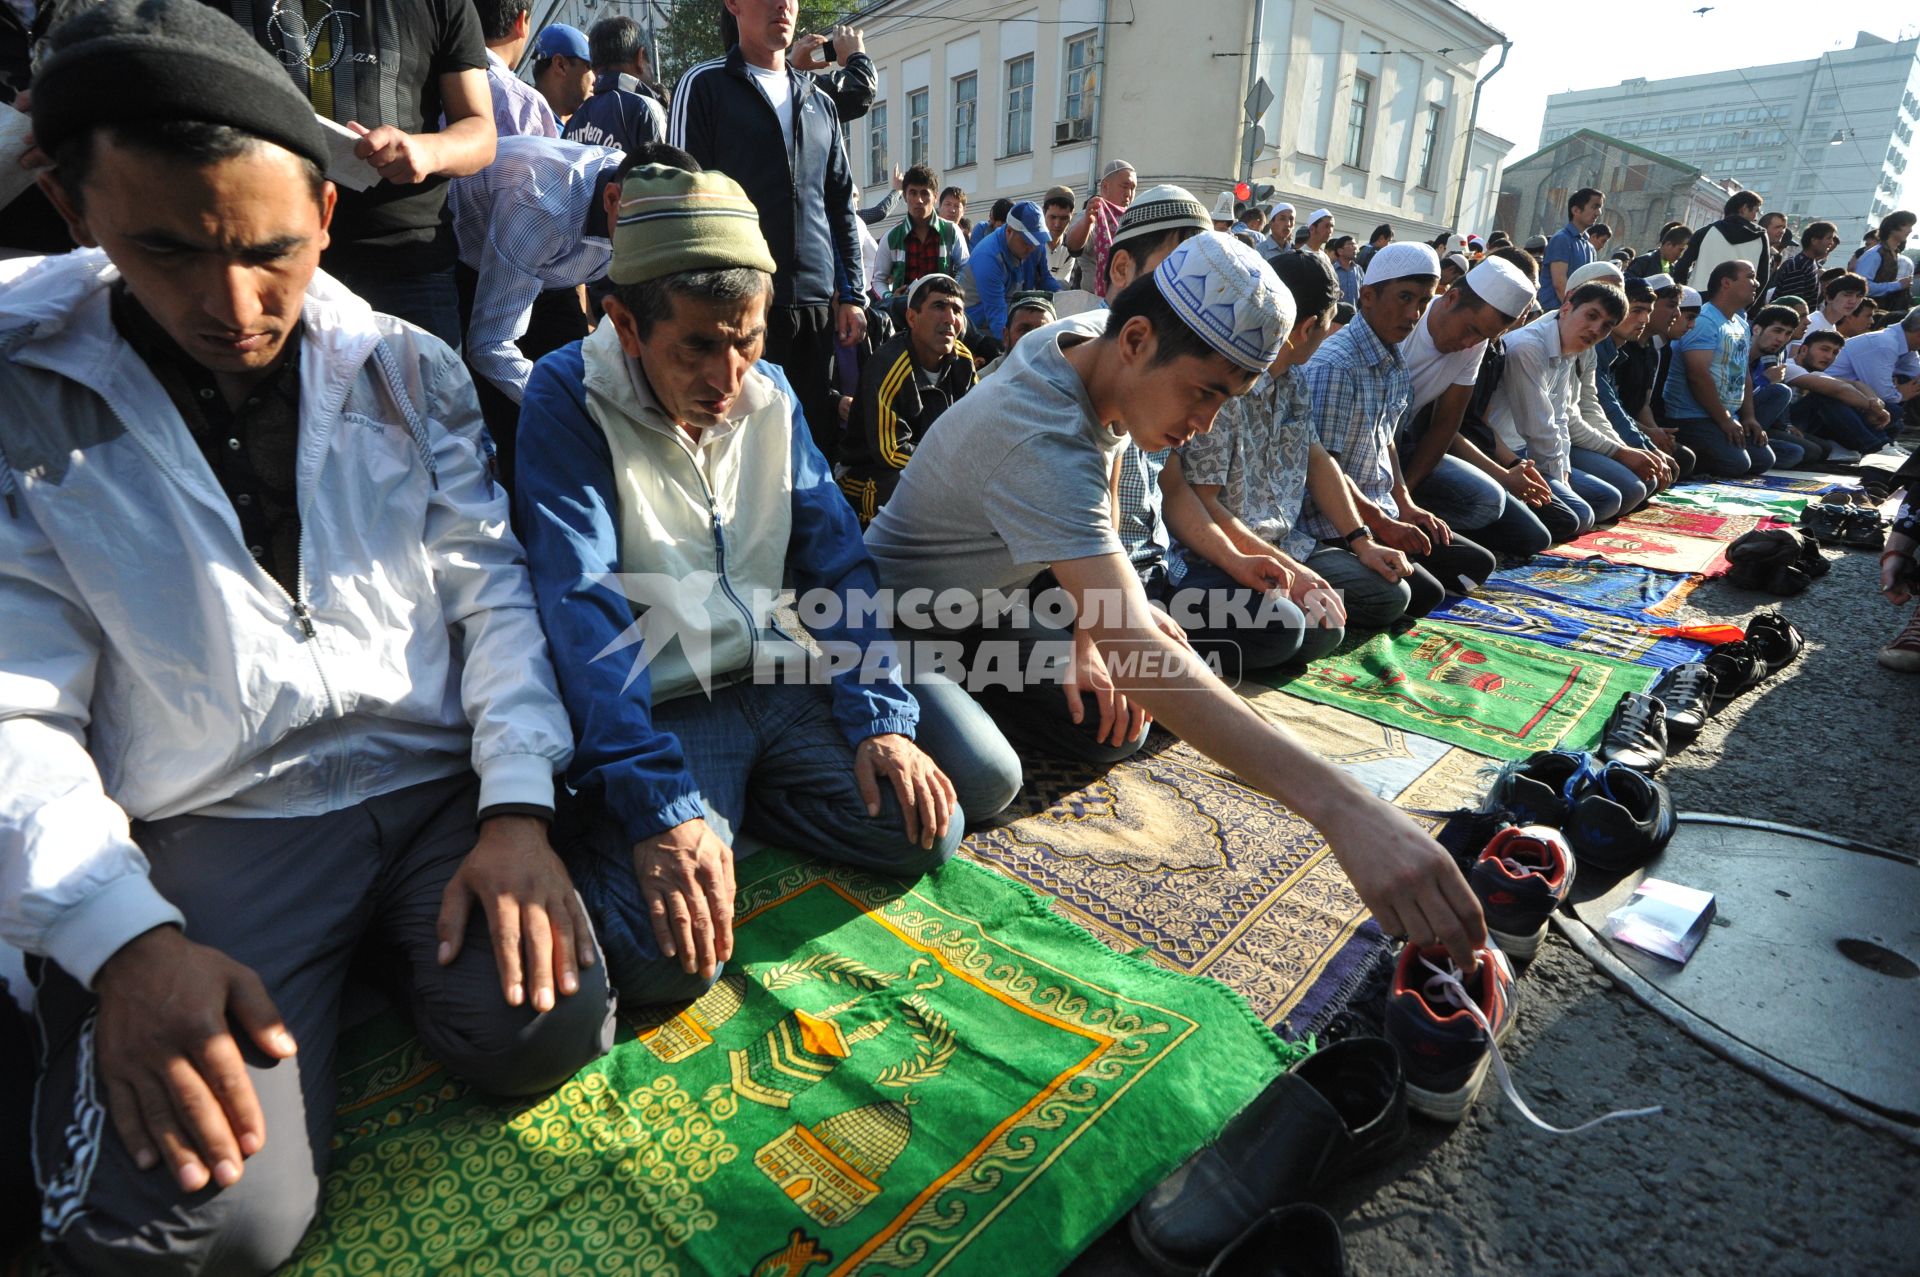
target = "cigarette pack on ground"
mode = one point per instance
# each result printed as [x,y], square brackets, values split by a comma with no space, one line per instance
[1664,919]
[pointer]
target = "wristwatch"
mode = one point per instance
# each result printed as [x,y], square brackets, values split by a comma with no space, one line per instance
[1356,534]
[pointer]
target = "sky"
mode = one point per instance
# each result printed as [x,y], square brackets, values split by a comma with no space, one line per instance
[1654,38]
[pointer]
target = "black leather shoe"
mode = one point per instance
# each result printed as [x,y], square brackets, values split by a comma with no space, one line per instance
[1636,733]
[1293,1241]
[1824,523]
[1333,1111]
[1736,667]
[1685,692]
[1620,820]
[1863,529]
[1534,790]
[1774,640]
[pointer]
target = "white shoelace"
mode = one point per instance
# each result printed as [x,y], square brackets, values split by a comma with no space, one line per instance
[1445,986]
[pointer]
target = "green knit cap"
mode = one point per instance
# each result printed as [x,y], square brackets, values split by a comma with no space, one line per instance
[673,221]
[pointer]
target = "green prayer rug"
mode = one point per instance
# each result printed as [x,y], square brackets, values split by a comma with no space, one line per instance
[1718,499]
[891,1078]
[1488,692]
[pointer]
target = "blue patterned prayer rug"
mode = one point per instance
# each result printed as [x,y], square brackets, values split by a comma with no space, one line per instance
[1527,614]
[1625,588]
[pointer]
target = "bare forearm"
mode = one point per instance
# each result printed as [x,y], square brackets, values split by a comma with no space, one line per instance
[464,146]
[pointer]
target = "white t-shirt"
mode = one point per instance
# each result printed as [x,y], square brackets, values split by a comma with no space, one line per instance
[1432,372]
[1817,322]
[779,90]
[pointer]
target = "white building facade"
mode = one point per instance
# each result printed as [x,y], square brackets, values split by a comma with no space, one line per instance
[1367,117]
[1828,137]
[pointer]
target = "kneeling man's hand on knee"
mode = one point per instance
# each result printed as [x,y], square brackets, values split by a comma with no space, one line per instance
[176,1084]
[530,904]
[686,878]
[927,797]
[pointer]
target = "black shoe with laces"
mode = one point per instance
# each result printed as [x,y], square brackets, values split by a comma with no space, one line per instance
[1685,692]
[1534,790]
[1774,640]
[1620,819]
[1863,529]
[1735,667]
[1636,733]
[1824,523]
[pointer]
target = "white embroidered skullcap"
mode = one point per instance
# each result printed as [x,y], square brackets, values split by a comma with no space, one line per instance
[1501,285]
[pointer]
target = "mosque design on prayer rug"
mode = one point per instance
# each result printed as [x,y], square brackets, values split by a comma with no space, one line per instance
[1649,547]
[1169,854]
[892,1078]
[1498,695]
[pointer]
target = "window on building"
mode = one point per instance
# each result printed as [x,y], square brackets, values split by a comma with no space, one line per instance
[1711,117]
[877,168]
[1081,78]
[1357,107]
[1020,105]
[917,126]
[1829,101]
[966,101]
[1430,145]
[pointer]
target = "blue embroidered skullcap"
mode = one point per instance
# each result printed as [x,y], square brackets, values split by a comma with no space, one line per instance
[1229,296]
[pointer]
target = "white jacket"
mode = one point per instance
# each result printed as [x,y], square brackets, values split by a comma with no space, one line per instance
[150,668]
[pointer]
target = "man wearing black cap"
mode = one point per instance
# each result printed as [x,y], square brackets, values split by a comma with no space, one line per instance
[271,680]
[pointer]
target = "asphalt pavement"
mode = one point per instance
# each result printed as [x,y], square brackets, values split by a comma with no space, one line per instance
[1736,1177]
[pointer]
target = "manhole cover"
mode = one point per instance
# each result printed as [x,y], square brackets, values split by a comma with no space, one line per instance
[1811,971]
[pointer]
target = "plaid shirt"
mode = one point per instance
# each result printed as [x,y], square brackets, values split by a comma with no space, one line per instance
[1360,392]
[1143,533]
[520,224]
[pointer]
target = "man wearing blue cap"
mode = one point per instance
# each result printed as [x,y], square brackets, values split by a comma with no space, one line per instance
[1005,263]
[562,68]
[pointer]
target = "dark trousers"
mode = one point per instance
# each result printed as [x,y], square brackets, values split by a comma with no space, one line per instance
[294,899]
[801,340]
[426,299]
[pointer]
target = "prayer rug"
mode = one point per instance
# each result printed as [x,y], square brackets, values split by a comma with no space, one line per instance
[1169,854]
[1705,524]
[1789,483]
[1525,614]
[1641,593]
[1648,548]
[1498,695]
[890,1079]
[1732,500]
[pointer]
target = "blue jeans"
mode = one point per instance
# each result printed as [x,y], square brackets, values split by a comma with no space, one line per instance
[1718,455]
[1237,630]
[1770,404]
[1596,470]
[771,761]
[1472,501]
[1828,418]
[1573,505]
[1373,602]
[1601,497]
[430,300]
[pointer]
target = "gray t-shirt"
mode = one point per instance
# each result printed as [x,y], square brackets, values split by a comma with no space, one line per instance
[1015,478]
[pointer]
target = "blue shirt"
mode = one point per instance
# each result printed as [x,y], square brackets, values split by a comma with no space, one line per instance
[1877,359]
[1360,391]
[1571,246]
[1349,279]
[1729,339]
[992,275]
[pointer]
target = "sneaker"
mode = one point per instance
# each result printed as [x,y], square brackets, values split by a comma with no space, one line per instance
[1301,1240]
[1903,654]
[1863,529]
[1636,733]
[1735,667]
[1685,692]
[1842,456]
[1444,1044]
[1521,878]
[1534,791]
[1823,522]
[1620,819]
[1774,640]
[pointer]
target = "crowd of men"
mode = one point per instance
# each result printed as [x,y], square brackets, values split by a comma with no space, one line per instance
[393,565]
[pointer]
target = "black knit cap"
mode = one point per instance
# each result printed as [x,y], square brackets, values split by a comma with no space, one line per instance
[133,61]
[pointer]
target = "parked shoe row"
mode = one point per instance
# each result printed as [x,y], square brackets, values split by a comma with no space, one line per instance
[1242,1205]
[1614,817]
[1856,527]
[1646,729]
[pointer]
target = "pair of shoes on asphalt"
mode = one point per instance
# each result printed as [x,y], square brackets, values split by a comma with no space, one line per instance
[1903,654]
[1771,644]
[1240,1205]
[1614,818]
[1645,729]
[1857,527]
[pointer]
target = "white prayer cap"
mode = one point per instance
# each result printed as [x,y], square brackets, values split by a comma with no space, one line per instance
[1229,297]
[1319,213]
[1661,283]
[1501,285]
[1223,207]
[1456,243]
[1690,299]
[1458,260]
[1402,259]
[1281,207]
[1592,272]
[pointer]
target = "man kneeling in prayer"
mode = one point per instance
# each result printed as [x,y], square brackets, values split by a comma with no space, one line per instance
[1014,484]
[273,692]
[668,486]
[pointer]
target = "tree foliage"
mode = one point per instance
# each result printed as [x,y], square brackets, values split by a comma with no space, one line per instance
[692,31]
